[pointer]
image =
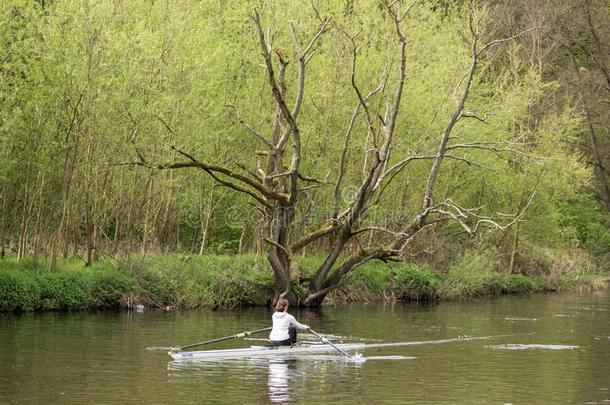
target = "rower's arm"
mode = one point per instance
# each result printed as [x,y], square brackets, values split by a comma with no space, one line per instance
[296,323]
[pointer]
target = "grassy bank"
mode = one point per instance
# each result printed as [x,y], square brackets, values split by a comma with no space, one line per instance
[184,282]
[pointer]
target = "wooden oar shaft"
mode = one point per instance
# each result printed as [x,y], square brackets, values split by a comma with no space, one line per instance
[237,336]
[324,340]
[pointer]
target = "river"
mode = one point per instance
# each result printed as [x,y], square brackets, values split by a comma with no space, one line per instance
[535,349]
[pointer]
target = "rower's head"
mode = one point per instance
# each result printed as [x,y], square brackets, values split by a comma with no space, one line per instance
[282,305]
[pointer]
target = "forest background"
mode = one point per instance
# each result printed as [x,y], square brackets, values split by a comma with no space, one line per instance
[150,150]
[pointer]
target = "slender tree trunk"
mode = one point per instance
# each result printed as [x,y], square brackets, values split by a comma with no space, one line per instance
[38,226]
[89,230]
[242,237]
[3,227]
[205,223]
[178,241]
[601,52]
[165,236]
[194,237]
[598,162]
[513,254]
[22,230]
[117,232]
[147,203]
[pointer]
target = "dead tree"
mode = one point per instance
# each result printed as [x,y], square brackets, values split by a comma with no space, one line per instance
[277,187]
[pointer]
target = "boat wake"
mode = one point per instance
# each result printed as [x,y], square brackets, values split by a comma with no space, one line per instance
[531,346]
[359,358]
[436,342]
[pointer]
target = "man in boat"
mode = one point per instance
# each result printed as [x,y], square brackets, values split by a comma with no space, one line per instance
[284,332]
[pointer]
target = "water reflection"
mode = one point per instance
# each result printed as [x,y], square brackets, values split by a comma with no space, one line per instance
[278,379]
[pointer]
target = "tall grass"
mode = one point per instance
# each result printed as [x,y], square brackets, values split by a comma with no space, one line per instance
[201,281]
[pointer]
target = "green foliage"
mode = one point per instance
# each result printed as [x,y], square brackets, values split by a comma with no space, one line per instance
[517,284]
[473,275]
[582,281]
[210,281]
[64,290]
[554,263]
[109,289]
[201,281]
[373,277]
[369,282]
[590,225]
[18,291]
[416,283]
[94,82]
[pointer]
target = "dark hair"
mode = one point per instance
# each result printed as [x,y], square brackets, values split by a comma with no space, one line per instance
[282,305]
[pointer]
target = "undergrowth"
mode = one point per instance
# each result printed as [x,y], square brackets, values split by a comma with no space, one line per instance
[217,281]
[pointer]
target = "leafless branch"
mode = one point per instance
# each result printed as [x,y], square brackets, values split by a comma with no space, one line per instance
[281,103]
[503,40]
[250,128]
[325,229]
[274,243]
[470,114]
[461,215]
[165,124]
[313,179]
[193,162]
[238,188]
[348,133]
[459,218]
[375,228]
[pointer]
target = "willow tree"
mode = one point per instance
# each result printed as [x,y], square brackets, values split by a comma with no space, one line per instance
[278,182]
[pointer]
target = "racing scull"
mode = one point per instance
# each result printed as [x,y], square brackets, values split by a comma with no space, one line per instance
[262,351]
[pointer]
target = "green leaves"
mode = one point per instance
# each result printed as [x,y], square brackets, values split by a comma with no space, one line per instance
[88,87]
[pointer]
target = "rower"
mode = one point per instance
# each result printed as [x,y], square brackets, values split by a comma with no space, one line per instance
[284,332]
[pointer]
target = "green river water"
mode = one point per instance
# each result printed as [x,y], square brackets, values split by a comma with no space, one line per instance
[542,349]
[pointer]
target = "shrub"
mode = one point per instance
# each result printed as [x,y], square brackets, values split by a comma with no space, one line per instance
[414,283]
[590,224]
[65,290]
[108,289]
[237,280]
[582,281]
[517,284]
[374,276]
[368,282]
[554,263]
[201,281]
[473,275]
[18,291]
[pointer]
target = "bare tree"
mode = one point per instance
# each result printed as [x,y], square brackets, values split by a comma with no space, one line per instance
[277,187]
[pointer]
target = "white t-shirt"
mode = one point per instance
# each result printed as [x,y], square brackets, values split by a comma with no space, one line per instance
[281,323]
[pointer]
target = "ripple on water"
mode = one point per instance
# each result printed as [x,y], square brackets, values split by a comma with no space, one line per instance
[515,346]
[598,309]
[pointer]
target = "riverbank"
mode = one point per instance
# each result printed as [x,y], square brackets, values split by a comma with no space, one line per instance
[214,281]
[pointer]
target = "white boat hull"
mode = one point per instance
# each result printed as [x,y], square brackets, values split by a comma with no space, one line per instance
[262,351]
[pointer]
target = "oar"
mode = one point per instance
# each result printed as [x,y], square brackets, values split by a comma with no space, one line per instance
[324,340]
[207,342]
